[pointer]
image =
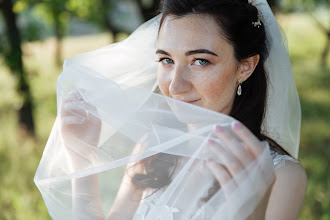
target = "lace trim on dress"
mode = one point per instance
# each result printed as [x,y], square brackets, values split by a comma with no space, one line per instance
[279,159]
[164,211]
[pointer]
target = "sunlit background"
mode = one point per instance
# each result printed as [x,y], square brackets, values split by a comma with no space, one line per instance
[37,35]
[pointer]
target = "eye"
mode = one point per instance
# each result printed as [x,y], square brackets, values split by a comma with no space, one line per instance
[166,60]
[201,62]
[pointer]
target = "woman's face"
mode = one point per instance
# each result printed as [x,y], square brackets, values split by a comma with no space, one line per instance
[197,65]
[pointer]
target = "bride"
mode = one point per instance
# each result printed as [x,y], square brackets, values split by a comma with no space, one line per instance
[218,143]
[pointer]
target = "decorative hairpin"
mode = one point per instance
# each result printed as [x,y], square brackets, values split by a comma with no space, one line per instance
[256,23]
[253,2]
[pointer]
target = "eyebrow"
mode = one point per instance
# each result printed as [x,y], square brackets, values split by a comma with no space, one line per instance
[162,52]
[191,52]
[188,53]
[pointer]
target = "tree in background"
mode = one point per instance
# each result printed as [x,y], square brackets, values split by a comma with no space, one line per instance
[13,58]
[95,11]
[326,32]
[310,6]
[323,27]
[148,8]
[114,16]
[54,12]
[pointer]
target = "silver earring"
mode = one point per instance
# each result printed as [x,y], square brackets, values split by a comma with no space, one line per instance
[239,89]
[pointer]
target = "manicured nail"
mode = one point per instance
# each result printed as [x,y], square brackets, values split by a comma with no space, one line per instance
[209,161]
[237,125]
[219,128]
[210,142]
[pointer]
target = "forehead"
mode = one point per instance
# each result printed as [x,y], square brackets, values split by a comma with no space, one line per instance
[191,32]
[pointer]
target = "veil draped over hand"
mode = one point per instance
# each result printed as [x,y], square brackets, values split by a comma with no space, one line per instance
[109,121]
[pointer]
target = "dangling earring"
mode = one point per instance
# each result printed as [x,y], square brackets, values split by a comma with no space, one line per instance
[239,89]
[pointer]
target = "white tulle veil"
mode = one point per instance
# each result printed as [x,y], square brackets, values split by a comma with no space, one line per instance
[107,110]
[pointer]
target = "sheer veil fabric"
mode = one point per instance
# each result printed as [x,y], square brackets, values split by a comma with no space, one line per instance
[109,121]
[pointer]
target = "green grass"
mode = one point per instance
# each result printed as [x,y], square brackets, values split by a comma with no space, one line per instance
[20,154]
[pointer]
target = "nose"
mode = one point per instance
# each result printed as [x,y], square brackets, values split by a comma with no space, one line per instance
[180,81]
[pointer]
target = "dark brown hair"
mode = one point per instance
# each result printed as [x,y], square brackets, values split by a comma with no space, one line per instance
[234,18]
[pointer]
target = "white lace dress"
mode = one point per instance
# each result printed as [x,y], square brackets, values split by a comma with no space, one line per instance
[167,212]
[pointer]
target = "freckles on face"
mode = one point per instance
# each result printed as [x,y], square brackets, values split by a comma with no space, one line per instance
[196,64]
[217,86]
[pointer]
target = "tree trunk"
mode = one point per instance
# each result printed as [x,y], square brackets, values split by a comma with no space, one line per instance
[14,62]
[149,12]
[59,33]
[326,31]
[107,21]
[274,5]
[325,52]
[110,27]
[58,49]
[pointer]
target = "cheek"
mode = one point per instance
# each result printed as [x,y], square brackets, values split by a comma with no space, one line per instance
[218,90]
[163,82]
[213,90]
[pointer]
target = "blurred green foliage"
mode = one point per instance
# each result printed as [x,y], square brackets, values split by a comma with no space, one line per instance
[20,153]
[302,5]
[305,43]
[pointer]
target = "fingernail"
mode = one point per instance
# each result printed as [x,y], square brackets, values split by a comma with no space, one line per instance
[209,161]
[210,142]
[219,128]
[237,125]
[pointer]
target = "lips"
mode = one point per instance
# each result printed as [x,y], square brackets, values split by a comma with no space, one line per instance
[191,102]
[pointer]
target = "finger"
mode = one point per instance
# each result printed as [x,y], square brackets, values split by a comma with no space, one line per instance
[78,113]
[225,137]
[69,120]
[71,109]
[226,157]
[81,103]
[74,95]
[235,146]
[219,171]
[252,142]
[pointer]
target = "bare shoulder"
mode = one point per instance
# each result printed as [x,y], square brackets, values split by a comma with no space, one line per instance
[288,192]
[293,172]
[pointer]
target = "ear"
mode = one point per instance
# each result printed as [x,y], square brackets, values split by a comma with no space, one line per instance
[247,67]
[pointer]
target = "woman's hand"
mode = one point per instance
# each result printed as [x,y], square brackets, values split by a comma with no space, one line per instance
[237,154]
[80,129]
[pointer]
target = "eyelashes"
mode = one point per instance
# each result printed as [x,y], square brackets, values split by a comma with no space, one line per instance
[197,61]
[165,60]
[201,62]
